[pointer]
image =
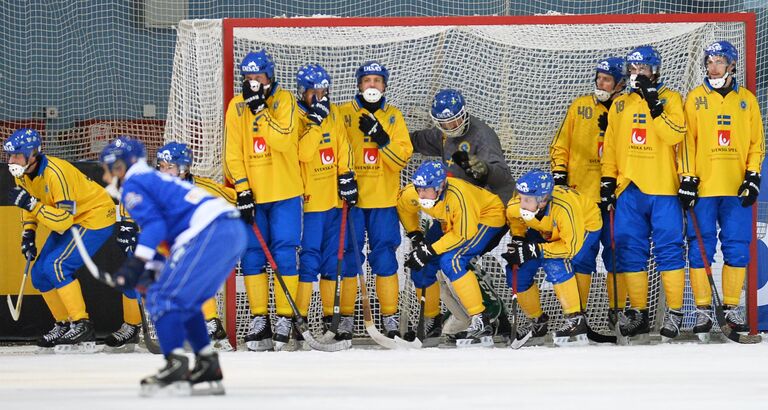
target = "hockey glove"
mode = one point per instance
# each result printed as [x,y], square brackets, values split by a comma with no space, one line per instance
[602,121]
[130,274]
[650,94]
[348,188]
[560,177]
[246,206]
[461,158]
[28,247]
[372,128]
[126,236]
[319,110]
[478,169]
[21,198]
[416,237]
[520,251]
[420,257]
[749,189]
[256,100]
[607,193]
[688,192]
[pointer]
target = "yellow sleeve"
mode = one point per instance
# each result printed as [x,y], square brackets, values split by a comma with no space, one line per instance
[463,220]
[344,162]
[560,148]
[517,226]
[756,153]
[670,125]
[276,122]
[216,189]
[408,208]
[399,150]
[687,152]
[234,159]
[608,160]
[309,140]
[569,219]
[28,221]
[58,218]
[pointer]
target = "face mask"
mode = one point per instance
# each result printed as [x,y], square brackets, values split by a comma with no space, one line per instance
[17,170]
[718,83]
[372,95]
[633,81]
[255,85]
[113,189]
[602,95]
[427,203]
[526,214]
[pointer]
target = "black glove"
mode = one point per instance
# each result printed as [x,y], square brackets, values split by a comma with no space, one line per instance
[416,237]
[127,276]
[28,247]
[688,192]
[256,100]
[319,110]
[472,165]
[420,257]
[371,127]
[602,121]
[749,189]
[246,206]
[461,158]
[348,188]
[560,177]
[126,236]
[21,198]
[607,193]
[520,250]
[651,95]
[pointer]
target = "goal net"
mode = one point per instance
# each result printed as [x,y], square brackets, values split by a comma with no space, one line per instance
[518,74]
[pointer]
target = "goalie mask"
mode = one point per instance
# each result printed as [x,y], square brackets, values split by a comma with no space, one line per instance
[720,49]
[449,113]
[430,174]
[643,56]
[24,141]
[535,184]
[175,154]
[616,68]
[371,94]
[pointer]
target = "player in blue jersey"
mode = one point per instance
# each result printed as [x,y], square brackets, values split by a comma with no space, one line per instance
[206,239]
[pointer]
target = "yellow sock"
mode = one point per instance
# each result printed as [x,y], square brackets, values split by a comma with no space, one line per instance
[702,293]
[583,281]
[733,283]
[637,287]
[282,308]
[432,300]
[209,309]
[568,295]
[387,290]
[72,297]
[468,291]
[131,314]
[529,301]
[257,289]
[674,282]
[348,296]
[57,308]
[327,293]
[304,297]
[621,288]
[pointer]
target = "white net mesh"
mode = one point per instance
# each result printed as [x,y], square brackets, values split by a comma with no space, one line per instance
[520,79]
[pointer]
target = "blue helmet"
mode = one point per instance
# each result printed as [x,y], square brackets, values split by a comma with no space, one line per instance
[645,55]
[175,153]
[372,68]
[257,63]
[23,141]
[616,67]
[430,174]
[535,183]
[721,48]
[448,106]
[311,76]
[123,148]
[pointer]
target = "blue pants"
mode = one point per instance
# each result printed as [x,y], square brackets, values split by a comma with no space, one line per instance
[735,231]
[59,258]
[383,228]
[320,246]
[640,218]
[556,270]
[454,262]
[586,260]
[280,225]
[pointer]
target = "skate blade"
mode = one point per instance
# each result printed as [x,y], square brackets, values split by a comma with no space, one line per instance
[638,340]
[78,348]
[175,389]
[44,350]
[213,388]
[485,341]
[280,346]
[518,343]
[571,341]
[704,338]
[259,345]
[222,345]
[126,348]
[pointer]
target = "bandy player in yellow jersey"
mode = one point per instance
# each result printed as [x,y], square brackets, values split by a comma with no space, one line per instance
[639,165]
[52,192]
[261,159]
[381,148]
[722,154]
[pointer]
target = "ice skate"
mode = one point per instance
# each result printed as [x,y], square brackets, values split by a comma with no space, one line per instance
[48,341]
[80,338]
[573,332]
[637,327]
[218,336]
[171,380]
[734,318]
[478,334]
[259,337]
[703,323]
[345,329]
[206,377]
[282,334]
[391,324]
[433,329]
[536,335]
[124,340]
[671,327]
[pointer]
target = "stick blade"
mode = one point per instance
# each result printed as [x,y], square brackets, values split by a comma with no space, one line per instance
[740,338]
[15,313]
[379,338]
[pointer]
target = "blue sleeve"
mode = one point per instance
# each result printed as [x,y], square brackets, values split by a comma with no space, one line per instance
[140,203]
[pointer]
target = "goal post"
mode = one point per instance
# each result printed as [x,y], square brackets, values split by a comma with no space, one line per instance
[518,73]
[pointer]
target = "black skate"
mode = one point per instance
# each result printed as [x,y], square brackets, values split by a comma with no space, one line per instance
[734,318]
[207,371]
[703,323]
[478,334]
[433,330]
[536,334]
[123,340]
[218,335]
[573,332]
[282,334]
[171,380]
[637,327]
[80,338]
[48,341]
[391,325]
[345,330]
[671,327]
[259,337]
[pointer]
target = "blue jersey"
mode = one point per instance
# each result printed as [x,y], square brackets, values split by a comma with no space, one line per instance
[167,208]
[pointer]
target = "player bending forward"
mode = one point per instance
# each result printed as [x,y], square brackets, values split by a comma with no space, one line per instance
[206,239]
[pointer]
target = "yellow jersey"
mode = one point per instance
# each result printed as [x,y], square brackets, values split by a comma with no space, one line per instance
[214,188]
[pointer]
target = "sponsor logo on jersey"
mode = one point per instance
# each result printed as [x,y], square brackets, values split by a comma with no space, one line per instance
[638,136]
[724,138]
[326,156]
[600,149]
[464,146]
[259,145]
[370,155]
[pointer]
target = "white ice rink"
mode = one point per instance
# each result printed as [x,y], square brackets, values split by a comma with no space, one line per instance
[679,376]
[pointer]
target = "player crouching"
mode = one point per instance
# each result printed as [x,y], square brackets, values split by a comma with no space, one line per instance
[206,239]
